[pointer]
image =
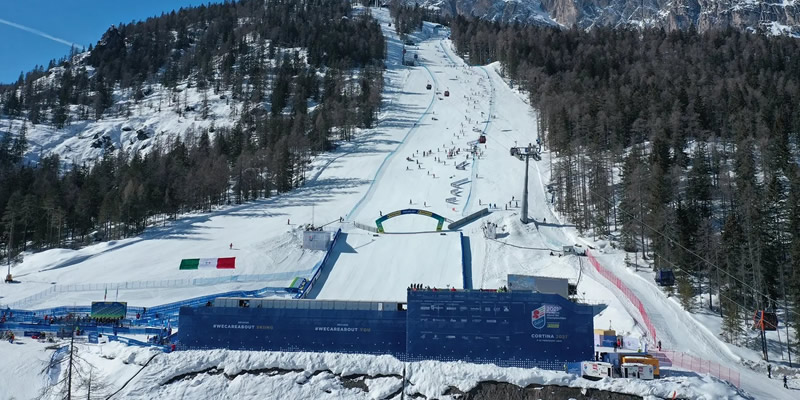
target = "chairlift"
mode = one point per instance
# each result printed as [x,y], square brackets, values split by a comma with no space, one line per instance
[428,86]
[482,139]
[446,93]
[765,320]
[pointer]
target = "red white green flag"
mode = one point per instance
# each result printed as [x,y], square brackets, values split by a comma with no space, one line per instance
[209,263]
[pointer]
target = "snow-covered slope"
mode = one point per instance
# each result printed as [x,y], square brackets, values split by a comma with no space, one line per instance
[129,126]
[358,182]
[381,268]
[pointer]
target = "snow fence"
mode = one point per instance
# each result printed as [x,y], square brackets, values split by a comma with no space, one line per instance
[676,358]
[628,294]
[154,284]
[692,363]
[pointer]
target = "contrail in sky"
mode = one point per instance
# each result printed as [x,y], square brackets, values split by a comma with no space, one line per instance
[40,33]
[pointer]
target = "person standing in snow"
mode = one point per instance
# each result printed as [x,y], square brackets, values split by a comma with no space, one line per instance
[231,246]
[785,382]
[769,371]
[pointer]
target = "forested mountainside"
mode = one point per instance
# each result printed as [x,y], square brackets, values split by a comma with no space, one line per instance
[684,146]
[776,17]
[166,115]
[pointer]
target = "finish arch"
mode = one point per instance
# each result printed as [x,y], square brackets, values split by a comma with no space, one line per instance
[440,219]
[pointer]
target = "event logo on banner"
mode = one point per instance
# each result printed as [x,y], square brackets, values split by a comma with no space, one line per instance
[539,317]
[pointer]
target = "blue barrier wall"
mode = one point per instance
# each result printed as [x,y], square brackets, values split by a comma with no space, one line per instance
[291,329]
[517,329]
[319,268]
[468,219]
[466,262]
[507,329]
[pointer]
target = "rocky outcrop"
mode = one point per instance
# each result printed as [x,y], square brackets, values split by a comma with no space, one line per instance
[110,46]
[507,391]
[771,16]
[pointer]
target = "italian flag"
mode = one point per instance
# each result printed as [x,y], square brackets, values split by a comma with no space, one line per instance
[209,263]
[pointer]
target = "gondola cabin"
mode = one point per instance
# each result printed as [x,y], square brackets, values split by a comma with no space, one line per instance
[446,93]
[482,139]
[765,320]
[428,86]
[665,277]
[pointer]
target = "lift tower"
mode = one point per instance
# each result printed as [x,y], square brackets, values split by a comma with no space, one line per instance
[527,153]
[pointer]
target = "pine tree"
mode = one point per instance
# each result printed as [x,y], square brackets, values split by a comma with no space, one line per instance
[731,318]
[793,276]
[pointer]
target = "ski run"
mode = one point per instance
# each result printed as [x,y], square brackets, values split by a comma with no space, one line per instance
[419,156]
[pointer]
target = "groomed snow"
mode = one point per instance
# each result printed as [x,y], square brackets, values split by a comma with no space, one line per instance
[361,180]
[381,267]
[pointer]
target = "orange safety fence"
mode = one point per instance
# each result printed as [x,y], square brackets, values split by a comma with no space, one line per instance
[678,359]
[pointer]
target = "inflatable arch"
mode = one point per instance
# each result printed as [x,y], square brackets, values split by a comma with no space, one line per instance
[393,214]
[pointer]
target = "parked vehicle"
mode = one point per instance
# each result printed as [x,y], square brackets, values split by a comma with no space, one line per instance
[596,370]
[644,359]
[633,370]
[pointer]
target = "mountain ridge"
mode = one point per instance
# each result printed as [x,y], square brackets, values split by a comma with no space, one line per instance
[777,17]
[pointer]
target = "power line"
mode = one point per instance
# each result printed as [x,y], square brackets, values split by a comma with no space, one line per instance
[676,266]
[689,251]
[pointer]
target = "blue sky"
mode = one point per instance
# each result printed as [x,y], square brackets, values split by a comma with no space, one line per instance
[72,21]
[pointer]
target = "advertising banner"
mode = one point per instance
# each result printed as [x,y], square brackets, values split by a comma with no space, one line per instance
[539,284]
[293,329]
[109,309]
[316,240]
[545,328]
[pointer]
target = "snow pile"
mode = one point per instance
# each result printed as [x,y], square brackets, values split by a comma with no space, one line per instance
[251,375]
[23,368]
[227,374]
